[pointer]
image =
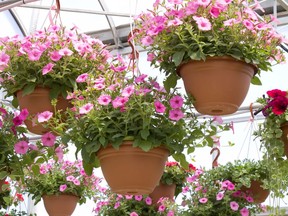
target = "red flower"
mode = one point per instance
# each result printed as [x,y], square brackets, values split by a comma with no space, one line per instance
[171,163]
[19,197]
[276,93]
[192,167]
[279,105]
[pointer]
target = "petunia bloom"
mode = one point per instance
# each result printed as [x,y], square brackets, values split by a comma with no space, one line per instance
[21,147]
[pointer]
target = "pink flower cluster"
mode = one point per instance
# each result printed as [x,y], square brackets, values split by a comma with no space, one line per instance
[71,172]
[169,14]
[203,193]
[140,87]
[136,204]
[52,45]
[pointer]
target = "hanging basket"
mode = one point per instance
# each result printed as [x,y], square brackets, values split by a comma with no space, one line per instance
[219,85]
[37,102]
[258,193]
[60,205]
[163,190]
[130,170]
[284,128]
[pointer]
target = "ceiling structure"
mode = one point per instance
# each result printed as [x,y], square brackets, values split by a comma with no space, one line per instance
[109,20]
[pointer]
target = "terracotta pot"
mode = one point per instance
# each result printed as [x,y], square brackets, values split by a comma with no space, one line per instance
[37,102]
[219,84]
[163,190]
[284,128]
[60,205]
[130,170]
[258,193]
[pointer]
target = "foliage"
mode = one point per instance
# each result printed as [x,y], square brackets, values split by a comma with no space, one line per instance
[271,136]
[11,131]
[61,177]
[117,106]
[175,174]
[15,212]
[51,58]
[179,31]
[9,198]
[276,114]
[217,192]
[138,205]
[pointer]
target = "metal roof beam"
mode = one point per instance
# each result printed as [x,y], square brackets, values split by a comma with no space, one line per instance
[106,13]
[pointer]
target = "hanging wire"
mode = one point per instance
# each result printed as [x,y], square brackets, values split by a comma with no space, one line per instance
[249,135]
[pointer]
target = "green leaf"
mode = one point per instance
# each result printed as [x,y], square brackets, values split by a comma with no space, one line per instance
[256,81]
[170,81]
[29,89]
[15,102]
[196,55]
[88,168]
[36,170]
[102,140]
[144,133]
[3,174]
[54,92]
[177,58]
[180,157]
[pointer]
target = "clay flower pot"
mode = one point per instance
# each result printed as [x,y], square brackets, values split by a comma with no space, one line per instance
[37,102]
[60,205]
[219,85]
[258,193]
[130,170]
[284,128]
[163,190]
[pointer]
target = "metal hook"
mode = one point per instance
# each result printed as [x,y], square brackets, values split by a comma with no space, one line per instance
[215,161]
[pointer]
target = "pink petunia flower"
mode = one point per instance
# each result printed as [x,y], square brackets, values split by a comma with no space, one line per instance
[127,91]
[170,213]
[128,197]
[138,197]
[159,107]
[59,153]
[70,178]
[76,181]
[161,208]
[147,41]
[55,56]
[119,101]
[23,114]
[48,139]
[203,200]
[65,52]
[133,214]
[176,102]
[219,196]
[21,147]
[62,187]
[117,204]
[86,108]
[82,78]
[244,212]
[250,199]
[176,114]
[47,68]
[148,201]
[203,23]
[104,100]
[34,55]
[44,116]
[234,205]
